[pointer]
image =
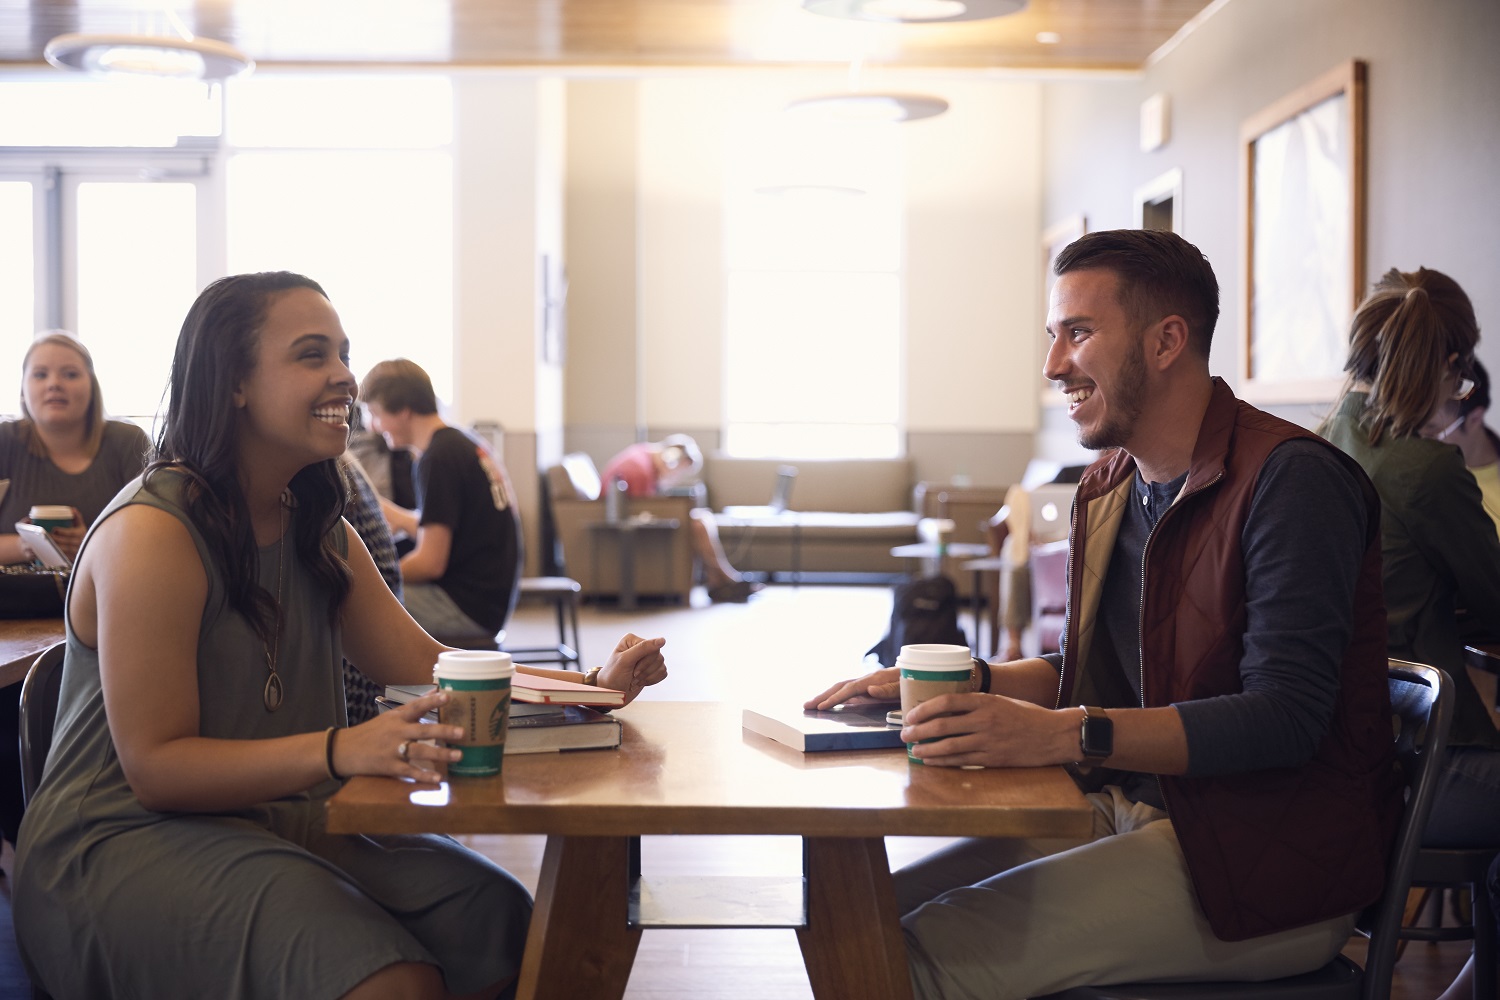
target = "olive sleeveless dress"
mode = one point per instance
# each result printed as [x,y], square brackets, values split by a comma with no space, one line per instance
[112,899]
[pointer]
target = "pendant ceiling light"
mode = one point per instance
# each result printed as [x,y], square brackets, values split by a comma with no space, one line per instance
[914,11]
[871,107]
[188,58]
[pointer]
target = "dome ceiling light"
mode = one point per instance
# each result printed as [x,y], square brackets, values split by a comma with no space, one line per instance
[148,55]
[914,11]
[871,107]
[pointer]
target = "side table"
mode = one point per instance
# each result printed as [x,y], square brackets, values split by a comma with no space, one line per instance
[624,532]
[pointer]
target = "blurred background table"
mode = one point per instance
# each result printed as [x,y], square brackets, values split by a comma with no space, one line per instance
[21,639]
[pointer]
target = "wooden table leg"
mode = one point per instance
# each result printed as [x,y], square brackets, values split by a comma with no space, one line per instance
[852,943]
[579,944]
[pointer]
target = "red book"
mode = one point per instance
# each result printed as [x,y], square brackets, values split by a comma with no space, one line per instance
[547,691]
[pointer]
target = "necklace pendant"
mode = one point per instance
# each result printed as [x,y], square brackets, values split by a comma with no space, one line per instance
[273,693]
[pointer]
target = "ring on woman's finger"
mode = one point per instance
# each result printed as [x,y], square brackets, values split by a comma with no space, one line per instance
[401,751]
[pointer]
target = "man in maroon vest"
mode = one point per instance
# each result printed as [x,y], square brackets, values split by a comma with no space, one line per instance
[1221,690]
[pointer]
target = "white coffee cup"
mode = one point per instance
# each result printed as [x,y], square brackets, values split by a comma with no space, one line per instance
[48,516]
[478,686]
[928,670]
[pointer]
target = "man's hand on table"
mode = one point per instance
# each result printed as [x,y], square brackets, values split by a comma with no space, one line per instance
[879,685]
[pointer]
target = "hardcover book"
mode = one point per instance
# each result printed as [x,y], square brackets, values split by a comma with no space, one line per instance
[549,691]
[849,727]
[556,727]
[575,728]
[400,694]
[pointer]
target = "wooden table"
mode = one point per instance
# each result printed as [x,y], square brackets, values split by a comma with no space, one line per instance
[689,768]
[21,639]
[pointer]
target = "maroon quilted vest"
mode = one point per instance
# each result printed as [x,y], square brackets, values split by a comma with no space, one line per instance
[1274,849]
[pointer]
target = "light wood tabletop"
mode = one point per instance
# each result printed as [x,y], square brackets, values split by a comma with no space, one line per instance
[689,768]
[21,639]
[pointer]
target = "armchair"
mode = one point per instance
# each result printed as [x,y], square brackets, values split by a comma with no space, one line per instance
[663,565]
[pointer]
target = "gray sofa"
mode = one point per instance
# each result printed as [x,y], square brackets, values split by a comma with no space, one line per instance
[844,515]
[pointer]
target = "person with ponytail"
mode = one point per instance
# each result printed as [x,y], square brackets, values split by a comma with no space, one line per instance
[1411,352]
[176,844]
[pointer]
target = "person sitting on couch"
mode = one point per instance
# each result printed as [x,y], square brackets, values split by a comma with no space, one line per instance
[651,467]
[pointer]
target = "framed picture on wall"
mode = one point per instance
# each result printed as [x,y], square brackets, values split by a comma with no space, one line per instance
[1054,239]
[1303,178]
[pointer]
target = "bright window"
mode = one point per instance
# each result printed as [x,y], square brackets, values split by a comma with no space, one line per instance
[137,274]
[374,229]
[361,111]
[348,180]
[118,112]
[814,314]
[17,288]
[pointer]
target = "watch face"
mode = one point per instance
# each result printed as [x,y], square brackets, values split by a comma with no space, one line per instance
[1098,737]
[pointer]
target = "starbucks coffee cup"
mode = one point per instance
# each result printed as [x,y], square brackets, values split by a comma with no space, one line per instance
[478,686]
[929,670]
[48,516]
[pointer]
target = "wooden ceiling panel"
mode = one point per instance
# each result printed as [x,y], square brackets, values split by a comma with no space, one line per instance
[1094,34]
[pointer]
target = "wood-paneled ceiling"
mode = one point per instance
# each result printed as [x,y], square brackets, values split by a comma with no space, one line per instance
[568,34]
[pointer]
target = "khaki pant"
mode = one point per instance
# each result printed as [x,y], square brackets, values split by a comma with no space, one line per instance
[1003,919]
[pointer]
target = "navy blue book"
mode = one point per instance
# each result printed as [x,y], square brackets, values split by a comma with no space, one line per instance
[850,727]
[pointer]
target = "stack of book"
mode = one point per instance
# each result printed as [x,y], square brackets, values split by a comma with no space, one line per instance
[545,714]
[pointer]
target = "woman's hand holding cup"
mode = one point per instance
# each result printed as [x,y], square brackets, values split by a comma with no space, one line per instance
[376,746]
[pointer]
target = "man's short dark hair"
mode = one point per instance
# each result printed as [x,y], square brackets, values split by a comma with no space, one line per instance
[1160,274]
[397,386]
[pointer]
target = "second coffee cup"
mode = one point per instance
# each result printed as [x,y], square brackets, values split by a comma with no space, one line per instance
[929,670]
[49,516]
[478,685]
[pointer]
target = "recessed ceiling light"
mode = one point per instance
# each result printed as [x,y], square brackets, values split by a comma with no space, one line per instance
[148,55]
[1048,37]
[914,11]
[871,107]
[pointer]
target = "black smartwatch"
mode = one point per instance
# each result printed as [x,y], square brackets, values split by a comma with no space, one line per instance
[1096,737]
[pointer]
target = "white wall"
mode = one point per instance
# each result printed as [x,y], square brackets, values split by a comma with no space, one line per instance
[1433,132]
[973,205]
[507,212]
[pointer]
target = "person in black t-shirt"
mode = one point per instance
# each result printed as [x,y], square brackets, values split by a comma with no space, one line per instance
[460,577]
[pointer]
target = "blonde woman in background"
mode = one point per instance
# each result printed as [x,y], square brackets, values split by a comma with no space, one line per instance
[62,450]
[1411,355]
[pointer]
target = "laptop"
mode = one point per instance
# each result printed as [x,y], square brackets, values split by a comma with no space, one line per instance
[1051,504]
[781,497]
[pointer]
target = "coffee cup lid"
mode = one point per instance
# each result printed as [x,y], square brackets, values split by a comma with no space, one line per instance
[935,656]
[473,664]
[51,512]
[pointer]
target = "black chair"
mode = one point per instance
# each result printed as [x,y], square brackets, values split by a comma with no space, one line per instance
[38,716]
[39,693]
[1421,699]
[563,593]
[1443,869]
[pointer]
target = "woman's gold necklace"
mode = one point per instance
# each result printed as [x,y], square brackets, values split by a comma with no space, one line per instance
[274,691]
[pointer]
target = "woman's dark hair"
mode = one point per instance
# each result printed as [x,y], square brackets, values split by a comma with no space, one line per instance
[1400,342]
[216,351]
